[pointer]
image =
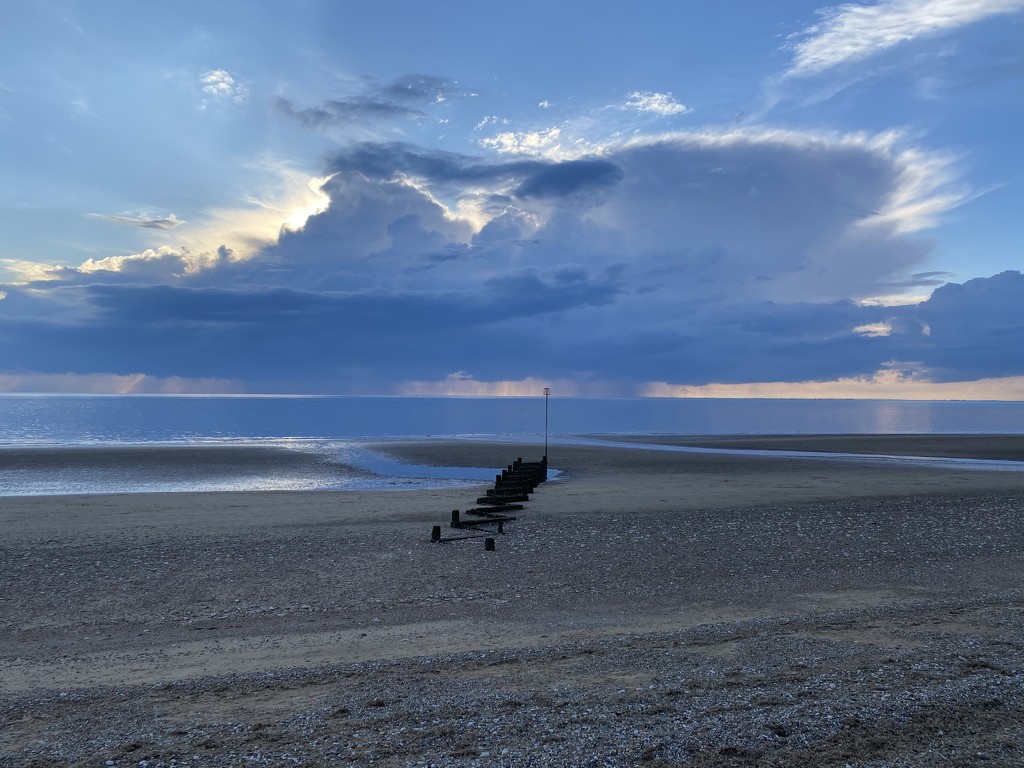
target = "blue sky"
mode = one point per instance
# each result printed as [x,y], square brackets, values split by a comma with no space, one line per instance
[661,199]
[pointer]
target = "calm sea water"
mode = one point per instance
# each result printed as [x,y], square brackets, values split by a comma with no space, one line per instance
[77,420]
[326,437]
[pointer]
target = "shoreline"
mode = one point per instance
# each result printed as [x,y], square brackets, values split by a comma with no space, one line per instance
[965,446]
[697,609]
[374,464]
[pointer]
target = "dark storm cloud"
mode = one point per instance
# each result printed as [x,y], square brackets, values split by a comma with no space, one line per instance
[513,296]
[164,329]
[570,178]
[530,177]
[509,328]
[975,329]
[964,332]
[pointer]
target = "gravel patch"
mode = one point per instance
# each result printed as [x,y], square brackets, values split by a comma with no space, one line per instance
[870,632]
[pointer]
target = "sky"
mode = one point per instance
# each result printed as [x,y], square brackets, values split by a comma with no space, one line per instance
[663,199]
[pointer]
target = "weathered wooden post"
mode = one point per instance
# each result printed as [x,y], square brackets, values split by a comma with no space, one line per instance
[435,534]
[488,545]
[455,518]
[501,526]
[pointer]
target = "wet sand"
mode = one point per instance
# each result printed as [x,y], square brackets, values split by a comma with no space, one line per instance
[998,447]
[646,608]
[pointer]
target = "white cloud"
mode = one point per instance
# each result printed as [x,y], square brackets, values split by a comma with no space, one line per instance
[894,300]
[544,104]
[853,31]
[163,262]
[525,142]
[657,103]
[926,188]
[490,120]
[874,330]
[284,202]
[145,219]
[17,271]
[222,84]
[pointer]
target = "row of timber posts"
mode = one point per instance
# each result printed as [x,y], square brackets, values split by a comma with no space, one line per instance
[514,485]
[516,482]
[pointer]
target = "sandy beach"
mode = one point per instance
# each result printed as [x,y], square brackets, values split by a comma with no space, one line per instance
[646,608]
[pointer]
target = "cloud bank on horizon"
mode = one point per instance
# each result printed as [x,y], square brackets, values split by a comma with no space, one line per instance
[334,231]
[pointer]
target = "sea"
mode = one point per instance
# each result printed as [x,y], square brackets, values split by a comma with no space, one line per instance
[71,444]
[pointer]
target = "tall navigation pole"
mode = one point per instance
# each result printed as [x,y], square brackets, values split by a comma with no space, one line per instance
[547,394]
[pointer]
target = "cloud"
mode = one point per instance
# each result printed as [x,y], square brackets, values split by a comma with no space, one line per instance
[350,112]
[422,89]
[283,202]
[731,256]
[257,334]
[569,179]
[874,329]
[538,142]
[406,98]
[853,31]
[972,328]
[490,120]
[144,219]
[221,84]
[112,383]
[962,333]
[281,197]
[152,265]
[781,215]
[462,384]
[823,216]
[662,104]
[882,385]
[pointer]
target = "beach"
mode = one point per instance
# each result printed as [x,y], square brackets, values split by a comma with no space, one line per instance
[646,608]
